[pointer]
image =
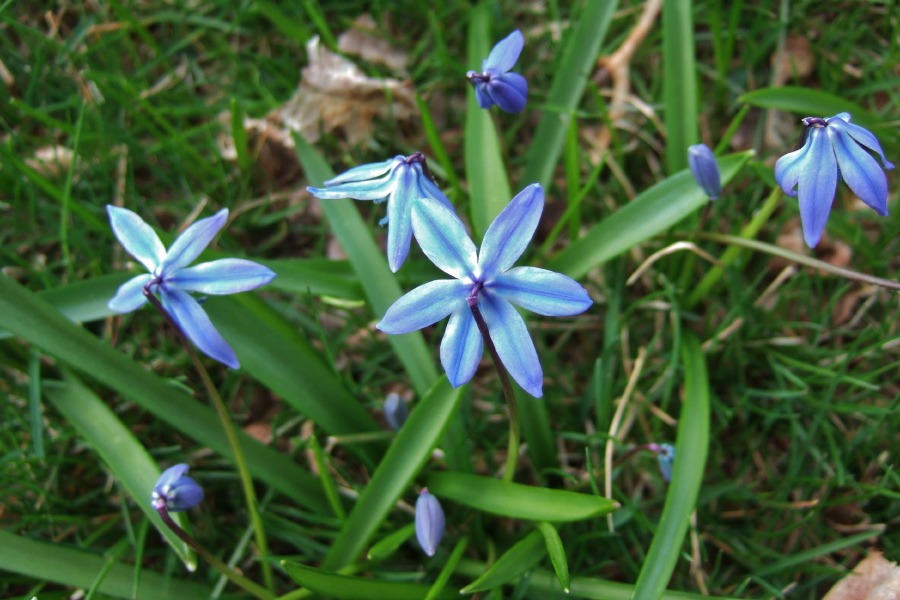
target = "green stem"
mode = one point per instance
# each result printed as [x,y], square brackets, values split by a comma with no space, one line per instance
[255,589]
[239,460]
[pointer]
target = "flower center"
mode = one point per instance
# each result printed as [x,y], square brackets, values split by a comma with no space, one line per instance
[473,75]
[815,122]
[472,300]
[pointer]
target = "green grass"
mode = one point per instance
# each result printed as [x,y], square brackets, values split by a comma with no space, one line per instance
[799,479]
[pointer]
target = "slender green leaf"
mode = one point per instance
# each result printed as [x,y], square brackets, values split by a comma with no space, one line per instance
[345,587]
[691,447]
[239,135]
[513,563]
[67,566]
[573,69]
[27,315]
[403,461]
[385,547]
[377,280]
[516,500]
[652,212]
[536,430]
[557,553]
[437,588]
[437,145]
[34,403]
[489,190]
[809,103]
[679,82]
[290,27]
[328,484]
[128,460]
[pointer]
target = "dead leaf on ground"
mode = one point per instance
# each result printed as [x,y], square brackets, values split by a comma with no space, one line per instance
[874,578]
[51,161]
[363,40]
[835,252]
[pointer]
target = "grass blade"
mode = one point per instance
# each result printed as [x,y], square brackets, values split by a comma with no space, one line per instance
[437,146]
[557,553]
[345,587]
[811,103]
[514,562]
[386,546]
[437,588]
[679,82]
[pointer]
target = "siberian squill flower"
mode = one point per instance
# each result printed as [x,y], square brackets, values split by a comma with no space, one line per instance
[834,148]
[175,491]
[705,170]
[495,85]
[171,278]
[665,456]
[400,181]
[429,522]
[485,276]
[395,411]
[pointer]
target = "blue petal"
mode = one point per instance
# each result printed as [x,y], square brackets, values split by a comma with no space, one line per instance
[505,54]
[705,170]
[170,476]
[426,304]
[818,183]
[861,172]
[482,95]
[513,342]
[225,276]
[510,233]
[427,188]
[138,238]
[195,324]
[789,168]
[364,172]
[374,189]
[399,225]
[130,295]
[541,291]
[461,347]
[193,240]
[443,239]
[861,135]
[187,493]
[429,522]
[395,411]
[509,91]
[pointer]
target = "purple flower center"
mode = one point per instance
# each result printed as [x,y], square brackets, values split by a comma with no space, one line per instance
[815,122]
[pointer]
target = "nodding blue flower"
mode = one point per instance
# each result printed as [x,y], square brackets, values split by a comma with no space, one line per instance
[175,491]
[495,85]
[429,522]
[834,148]
[485,276]
[705,170]
[395,411]
[399,181]
[172,279]
[665,456]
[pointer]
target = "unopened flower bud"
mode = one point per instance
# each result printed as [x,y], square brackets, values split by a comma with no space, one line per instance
[395,411]
[175,491]
[429,522]
[705,170]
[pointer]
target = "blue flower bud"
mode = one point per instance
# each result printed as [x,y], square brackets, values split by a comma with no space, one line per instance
[705,170]
[395,411]
[429,522]
[665,455]
[175,491]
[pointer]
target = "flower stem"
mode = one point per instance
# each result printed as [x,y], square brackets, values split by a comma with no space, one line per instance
[239,460]
[512,452]
[239,580]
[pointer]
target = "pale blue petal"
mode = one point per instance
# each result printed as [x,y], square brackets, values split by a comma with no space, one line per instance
[399,218]
[138,238]
[461,347]
[225,276]
[195,324]
[130,295]
[860,171]
[509,91]
[513,342]
[511,232]
[424,305]
[364,172]
[541,291]
[443,239]
[374,189]
[171,475]
[789,168]
[186,494]
[861,135]
[482,95]
[505,54]
[428,189]
[818,183]
[192,242]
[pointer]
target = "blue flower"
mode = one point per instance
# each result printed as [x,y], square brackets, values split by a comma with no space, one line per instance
[429,522]
[172,279]
[705,170]
[834,147]
[665,456]
[175,491]
[400,181]
[495,85]
[395,411]
[486,276]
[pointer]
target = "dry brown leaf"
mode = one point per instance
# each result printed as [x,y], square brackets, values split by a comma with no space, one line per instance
[363,40]
[874,578]
[51,161]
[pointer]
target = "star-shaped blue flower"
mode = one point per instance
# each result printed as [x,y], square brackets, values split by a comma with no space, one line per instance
[171,278]
[495,85]
[834,148]
[487,276]
[400,181]
[175,491]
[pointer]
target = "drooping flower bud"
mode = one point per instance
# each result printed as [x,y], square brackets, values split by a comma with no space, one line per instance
[666,458]
[395,411]
[429,522]
[175,491]
[705,170]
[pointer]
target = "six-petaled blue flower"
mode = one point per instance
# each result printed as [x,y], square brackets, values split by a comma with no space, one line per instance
[834,148]
[172,279]
[487,277]
[429,522]
[495,85]
[400,181]
[705,170]
[175,491]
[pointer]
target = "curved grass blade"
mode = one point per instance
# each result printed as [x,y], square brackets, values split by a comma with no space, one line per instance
[26,315]
[385,547]
[679,82]
[403,461]
[437,588]
[55,562]
[514,562]
[346,587]
[379,283]
[652,212]
[128,460]
[691,447]
[810,103]
[517,501]
[557,553]
[572,71]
